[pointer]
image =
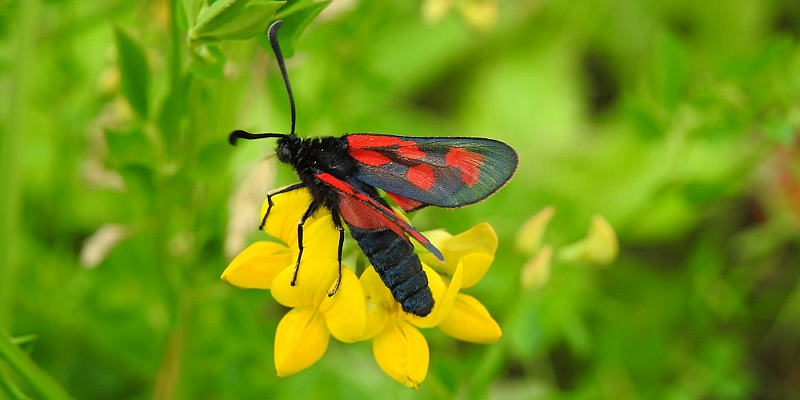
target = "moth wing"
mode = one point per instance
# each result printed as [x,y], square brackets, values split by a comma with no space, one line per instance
[364,212]
[439,171]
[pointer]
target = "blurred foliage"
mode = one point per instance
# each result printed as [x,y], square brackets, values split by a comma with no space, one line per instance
[675,120]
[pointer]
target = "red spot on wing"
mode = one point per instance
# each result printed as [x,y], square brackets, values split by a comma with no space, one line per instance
[360,215]
[404,202]
[337,183]
[409,149]
[467,162]
[369,157]
[421,176]
[360,141]
[354,206]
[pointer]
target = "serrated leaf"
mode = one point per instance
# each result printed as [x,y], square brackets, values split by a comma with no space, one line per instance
[134,71]
[254,18]
[296,16]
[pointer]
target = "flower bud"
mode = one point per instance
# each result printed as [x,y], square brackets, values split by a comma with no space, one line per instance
[536,272]
[530,235]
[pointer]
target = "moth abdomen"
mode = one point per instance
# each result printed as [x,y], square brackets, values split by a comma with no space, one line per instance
[399,268]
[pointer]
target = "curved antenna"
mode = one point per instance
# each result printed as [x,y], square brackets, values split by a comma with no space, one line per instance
[276,48]
[240,134]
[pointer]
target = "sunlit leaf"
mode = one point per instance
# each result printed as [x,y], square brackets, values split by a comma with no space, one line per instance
[296,15]
[134,70]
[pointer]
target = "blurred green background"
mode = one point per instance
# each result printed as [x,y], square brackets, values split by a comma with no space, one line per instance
[121,201]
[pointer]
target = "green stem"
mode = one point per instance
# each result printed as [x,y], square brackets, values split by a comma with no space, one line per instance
[43,383]
[10,387]
[10,148]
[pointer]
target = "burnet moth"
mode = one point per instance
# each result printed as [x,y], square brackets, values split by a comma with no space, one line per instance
[343,175]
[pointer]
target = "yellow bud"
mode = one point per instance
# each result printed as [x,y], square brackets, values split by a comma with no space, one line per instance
[479,14]
[536,272]
[530,235]
[434,10]
[600,246]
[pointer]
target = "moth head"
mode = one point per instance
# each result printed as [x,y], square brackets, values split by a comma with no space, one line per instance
[288,147]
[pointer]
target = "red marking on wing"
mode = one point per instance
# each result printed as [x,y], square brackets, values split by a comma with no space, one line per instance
[367,202]
[356,141]
[409,149]
[421,175]
[337,183]
[369,157]
[467,162]
[405,203]
[362,216]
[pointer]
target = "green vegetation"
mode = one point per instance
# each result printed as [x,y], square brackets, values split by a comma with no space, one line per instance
[122,202]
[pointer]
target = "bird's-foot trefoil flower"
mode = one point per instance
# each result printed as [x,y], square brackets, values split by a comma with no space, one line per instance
[362,308]
[304,332]
[473,250]
[398,346]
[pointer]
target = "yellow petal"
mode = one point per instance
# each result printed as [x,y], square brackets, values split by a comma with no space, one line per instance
[434,10]
[378,302]
[470,321]
[479,14]
[600,246]
[257,265]
[475,247]
[286,211]
[475,267]
[536,271]
[443,297]
[300,341]
[320,238]
[402,352]
[437,237]
[530,235]
[345,311]
[314,279]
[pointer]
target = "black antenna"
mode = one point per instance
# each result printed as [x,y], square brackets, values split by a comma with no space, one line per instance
[276,48]
[240,134]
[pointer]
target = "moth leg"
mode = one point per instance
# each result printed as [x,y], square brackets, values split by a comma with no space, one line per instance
[289,188]
[337,222]
[309,211]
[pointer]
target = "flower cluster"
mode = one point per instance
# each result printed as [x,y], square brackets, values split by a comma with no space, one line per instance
[599,247]
[362,308]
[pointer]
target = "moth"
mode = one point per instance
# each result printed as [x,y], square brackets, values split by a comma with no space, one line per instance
[344,174]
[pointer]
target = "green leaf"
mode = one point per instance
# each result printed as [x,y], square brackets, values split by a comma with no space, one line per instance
[253,19]
[134,71]
[219,13]
[191,8]
[208,61]
[126,146]
[296,15]
[173,109]
[179,15]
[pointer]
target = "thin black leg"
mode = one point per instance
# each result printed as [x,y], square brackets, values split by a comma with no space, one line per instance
[309,211]
[338,223]
[289,188]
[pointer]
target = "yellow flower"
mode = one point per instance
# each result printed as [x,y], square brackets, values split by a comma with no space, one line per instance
[478,14]
[536,272]
[398,346]
[303,333]
[473,250]
[599,247]
[529,238]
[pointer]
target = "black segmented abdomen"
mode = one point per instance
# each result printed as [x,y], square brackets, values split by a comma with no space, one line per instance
[399,268]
